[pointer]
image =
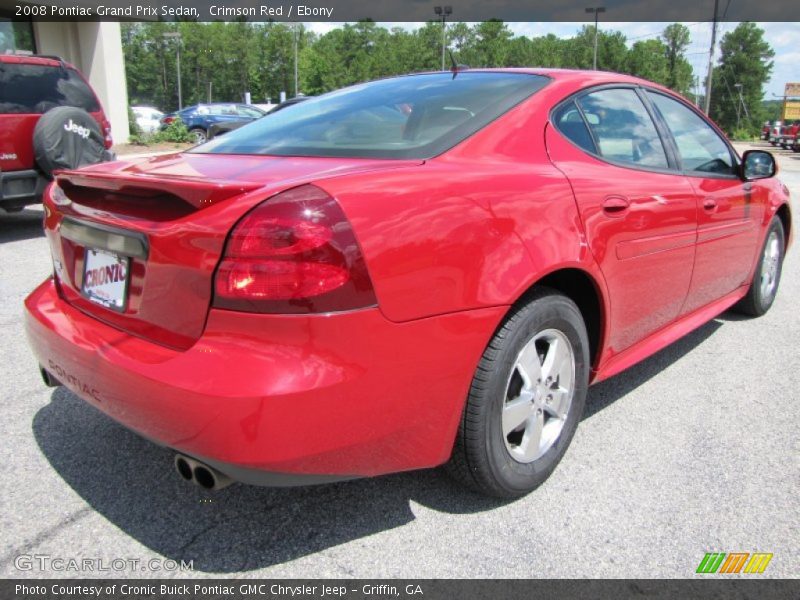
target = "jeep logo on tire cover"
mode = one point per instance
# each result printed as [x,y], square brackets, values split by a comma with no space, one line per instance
[73,127]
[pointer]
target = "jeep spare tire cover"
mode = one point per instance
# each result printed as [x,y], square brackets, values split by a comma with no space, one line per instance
[67,138]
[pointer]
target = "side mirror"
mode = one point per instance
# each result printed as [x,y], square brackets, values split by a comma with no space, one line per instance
[757,164]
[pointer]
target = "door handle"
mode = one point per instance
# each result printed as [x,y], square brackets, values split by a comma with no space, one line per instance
[709,204]
[615,206]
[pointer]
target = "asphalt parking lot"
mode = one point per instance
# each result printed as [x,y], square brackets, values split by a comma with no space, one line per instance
[693,451]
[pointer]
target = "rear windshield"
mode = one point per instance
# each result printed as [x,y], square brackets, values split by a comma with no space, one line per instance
[26,89]
[418,116]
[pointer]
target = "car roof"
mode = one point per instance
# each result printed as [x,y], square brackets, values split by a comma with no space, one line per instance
[583,77]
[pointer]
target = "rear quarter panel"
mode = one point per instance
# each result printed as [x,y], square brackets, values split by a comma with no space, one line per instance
[472,228]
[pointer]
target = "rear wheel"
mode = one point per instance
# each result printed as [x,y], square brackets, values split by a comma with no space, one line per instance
[767,276]
[526,399]
[199,135]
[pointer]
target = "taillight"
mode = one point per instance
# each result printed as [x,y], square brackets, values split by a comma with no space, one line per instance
[294,253]
[167,120]
[109,141]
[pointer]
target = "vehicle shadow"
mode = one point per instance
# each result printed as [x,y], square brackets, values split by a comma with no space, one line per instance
[609,391]
[131,482]
[23,225]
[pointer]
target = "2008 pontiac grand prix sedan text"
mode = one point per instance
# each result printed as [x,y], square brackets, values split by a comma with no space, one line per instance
[415,271]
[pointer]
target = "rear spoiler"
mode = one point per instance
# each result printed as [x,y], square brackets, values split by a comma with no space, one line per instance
[200,193]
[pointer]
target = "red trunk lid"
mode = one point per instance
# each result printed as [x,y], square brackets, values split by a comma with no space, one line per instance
[170,215]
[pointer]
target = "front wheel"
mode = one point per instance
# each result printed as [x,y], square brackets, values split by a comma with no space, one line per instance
[767,276]
[526,399]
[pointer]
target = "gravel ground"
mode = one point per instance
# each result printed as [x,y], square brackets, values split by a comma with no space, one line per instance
[694,450]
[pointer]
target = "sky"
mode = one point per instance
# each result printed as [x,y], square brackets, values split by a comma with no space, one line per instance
[781,36]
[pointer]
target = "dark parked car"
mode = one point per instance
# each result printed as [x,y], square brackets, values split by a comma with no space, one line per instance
[49,119]
[200,117]
[226,126]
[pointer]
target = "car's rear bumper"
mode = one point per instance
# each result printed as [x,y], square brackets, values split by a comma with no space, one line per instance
[344,395]
[21,188]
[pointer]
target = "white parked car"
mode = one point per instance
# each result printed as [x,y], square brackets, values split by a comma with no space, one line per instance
[147,118]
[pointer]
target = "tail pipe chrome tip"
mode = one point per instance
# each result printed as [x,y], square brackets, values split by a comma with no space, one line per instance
[200,474]
[48,378]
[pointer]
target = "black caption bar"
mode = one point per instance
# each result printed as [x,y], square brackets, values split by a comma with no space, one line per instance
[440,589]
[389,10]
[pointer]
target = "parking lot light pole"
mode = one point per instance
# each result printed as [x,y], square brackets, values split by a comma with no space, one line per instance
[177,36]
[596,10]
[443,12]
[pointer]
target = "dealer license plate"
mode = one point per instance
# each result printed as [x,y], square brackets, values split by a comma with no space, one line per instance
[105,278]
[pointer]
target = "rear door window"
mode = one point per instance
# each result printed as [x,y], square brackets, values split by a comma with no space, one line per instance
[623,128]
[35,89]
[251,113]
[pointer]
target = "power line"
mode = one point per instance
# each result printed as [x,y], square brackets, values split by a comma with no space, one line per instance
[659,33]
[725,12]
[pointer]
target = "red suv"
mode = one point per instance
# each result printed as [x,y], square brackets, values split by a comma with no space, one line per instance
[49,119]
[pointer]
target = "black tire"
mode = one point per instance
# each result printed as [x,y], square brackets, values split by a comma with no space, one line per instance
[200,135]
[66,137]
[481,456]
[758,300]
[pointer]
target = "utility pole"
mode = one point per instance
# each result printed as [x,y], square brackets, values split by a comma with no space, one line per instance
[177,36]
[711,59]
[697,91]
[443,12]
[295,60]
[596,10]
[739,87]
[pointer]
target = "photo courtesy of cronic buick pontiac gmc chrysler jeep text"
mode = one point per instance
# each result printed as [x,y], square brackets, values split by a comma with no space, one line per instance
[417,271]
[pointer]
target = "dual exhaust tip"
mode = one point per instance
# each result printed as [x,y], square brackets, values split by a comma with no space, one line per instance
[201,475]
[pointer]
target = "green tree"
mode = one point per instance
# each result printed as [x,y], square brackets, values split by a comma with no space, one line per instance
[492,43]
[745,59]
[676,38]
[461,40]
[612,53]
[429,47]
[224,60]
[548,51]
[648,59]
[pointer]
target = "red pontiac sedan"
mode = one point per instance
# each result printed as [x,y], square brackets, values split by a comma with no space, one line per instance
[415,271]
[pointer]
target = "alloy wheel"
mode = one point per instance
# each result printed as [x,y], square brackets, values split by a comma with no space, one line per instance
[538,395]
